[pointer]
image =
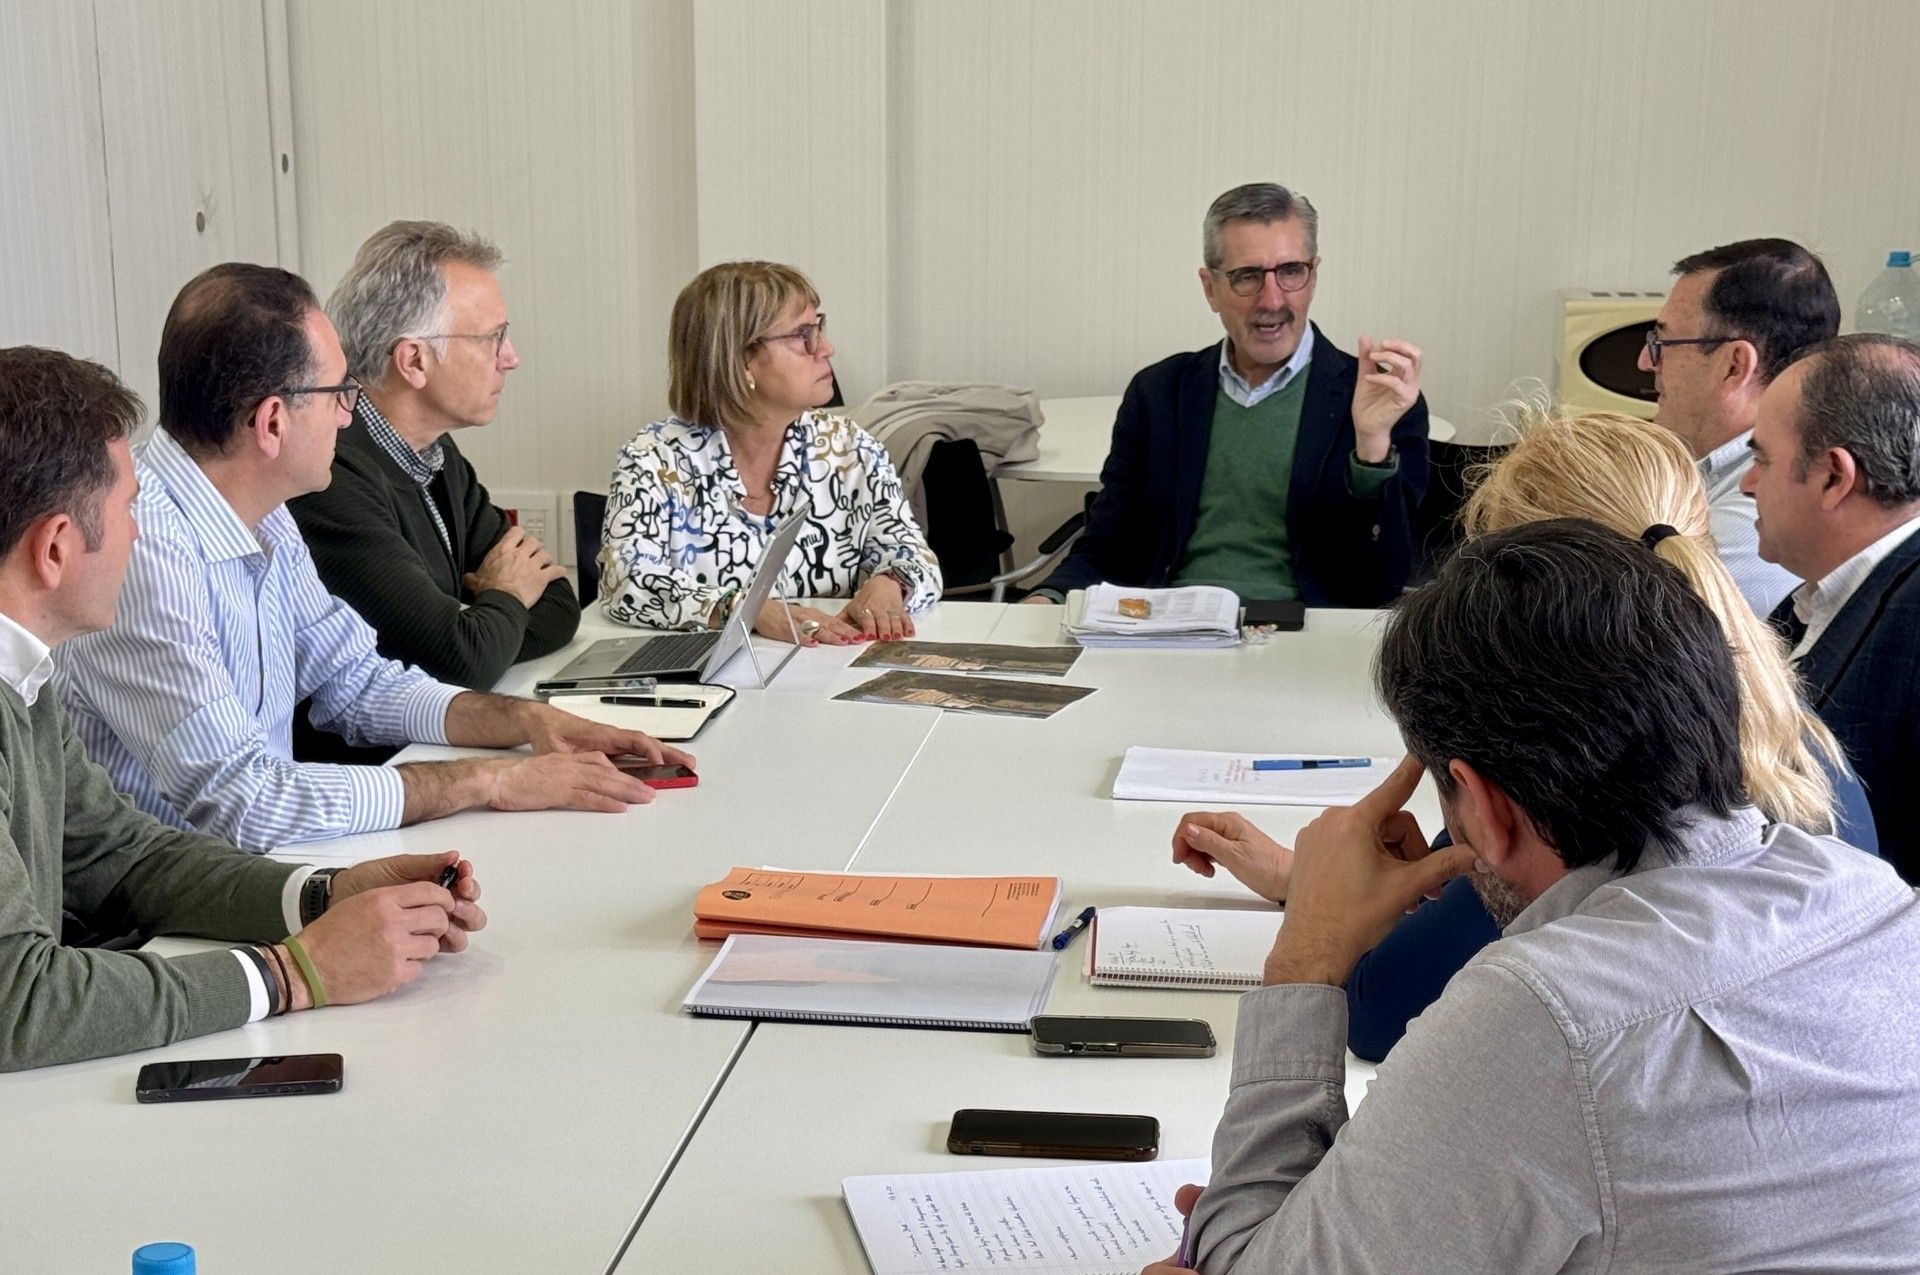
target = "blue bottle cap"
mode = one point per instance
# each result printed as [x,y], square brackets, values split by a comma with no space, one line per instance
[164,1258]
[1899,260]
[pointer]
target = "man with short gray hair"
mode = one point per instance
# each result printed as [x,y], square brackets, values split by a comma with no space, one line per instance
[1836,480]
[1270,463]
[406,534]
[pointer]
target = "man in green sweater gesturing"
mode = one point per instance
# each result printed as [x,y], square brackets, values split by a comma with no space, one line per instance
[68,840]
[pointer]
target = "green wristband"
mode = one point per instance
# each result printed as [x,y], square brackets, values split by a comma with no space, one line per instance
[307,972]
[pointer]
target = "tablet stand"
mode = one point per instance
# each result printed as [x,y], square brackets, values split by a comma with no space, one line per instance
[761,677]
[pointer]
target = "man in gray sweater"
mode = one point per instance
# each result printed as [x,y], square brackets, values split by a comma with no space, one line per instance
[68,840]
[1697,1046]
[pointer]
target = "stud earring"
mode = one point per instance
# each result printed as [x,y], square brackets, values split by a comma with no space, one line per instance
[751,387]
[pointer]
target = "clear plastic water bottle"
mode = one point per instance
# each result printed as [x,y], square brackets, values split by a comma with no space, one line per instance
[164,1259]
[1891,303]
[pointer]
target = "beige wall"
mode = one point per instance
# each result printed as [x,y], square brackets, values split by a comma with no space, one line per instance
[1468,160]
[562,130]
[997,190]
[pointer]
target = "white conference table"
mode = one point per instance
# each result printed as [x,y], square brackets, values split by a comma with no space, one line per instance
[1076,432]
[808,1105]
[540,1101]
[512,1109]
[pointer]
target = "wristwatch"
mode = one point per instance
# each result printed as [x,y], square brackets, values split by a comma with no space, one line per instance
[316,895]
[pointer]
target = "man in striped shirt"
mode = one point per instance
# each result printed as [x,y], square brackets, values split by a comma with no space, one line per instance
[188,699]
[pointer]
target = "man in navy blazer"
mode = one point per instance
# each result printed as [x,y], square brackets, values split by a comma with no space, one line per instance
[1271,462]
[1836,479]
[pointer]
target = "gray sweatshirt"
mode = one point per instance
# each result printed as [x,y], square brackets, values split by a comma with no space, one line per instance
[1705,1065]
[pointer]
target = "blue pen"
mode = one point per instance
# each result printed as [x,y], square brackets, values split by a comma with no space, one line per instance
[1312,763]
[1065,936]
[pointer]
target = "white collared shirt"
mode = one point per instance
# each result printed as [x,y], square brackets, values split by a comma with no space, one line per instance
[1817,601]
[25,661]
[1235,385]
[1736,534]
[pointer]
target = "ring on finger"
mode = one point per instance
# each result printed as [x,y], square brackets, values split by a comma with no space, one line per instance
[810,627]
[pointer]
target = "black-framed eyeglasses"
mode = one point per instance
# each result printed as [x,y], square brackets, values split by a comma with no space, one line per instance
[809,335]
[1248,280]
[346,394]
[1656,343]
[498,336]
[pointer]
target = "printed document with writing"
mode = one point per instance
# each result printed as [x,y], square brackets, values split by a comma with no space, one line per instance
[1178,774]
[1102,1219]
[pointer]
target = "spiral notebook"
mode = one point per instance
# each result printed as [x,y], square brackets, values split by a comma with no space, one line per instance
[1182,947]
[805,980]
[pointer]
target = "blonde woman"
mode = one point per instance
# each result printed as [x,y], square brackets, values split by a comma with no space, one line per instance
[1639,480]
[696,496]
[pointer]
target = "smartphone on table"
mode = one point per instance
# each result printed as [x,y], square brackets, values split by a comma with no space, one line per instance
[198,1080]
[1057,1135]
[675,776]
[1065,1034]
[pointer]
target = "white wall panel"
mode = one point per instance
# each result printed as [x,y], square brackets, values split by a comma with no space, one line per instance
[791,116]
[56,255]
[190,155]
[563,132]
[1468,159]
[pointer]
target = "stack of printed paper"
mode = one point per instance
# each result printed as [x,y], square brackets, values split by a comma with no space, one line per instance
[1109,615]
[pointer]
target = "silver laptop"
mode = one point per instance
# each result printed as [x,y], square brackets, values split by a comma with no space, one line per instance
[694,656]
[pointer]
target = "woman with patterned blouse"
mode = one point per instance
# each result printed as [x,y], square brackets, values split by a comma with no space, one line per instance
[696,497]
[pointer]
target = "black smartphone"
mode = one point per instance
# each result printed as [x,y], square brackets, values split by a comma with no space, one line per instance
[657,776]
[1063,1034]
[1289,615]
[1058,1135]
[202,1079]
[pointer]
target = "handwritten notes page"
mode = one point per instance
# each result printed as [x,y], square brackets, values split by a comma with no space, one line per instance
[1082,1219]
[1182,947]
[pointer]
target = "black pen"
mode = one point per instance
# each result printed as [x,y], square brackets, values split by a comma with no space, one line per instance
[652,701]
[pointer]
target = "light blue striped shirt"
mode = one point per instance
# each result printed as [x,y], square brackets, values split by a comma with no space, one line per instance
[188,699]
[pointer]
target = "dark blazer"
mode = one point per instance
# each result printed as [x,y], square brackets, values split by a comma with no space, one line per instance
[376,547]
[1346,551]
[1863,678]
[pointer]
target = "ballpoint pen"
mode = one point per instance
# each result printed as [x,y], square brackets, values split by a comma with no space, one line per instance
[1065,936]
[1312,763]
[651,701]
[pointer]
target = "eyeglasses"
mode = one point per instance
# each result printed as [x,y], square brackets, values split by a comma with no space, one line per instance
[1248,280]
[498,336]
[346,394]
[1656,342]
[809,335]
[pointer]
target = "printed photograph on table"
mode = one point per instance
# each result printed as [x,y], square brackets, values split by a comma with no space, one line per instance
[967,694]
[969,657]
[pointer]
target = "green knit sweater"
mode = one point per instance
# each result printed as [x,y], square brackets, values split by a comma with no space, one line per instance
[68,839]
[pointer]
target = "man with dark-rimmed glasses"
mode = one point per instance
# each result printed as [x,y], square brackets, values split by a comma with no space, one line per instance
[1270,463]
[406,533]
[1733,318]
[187,699]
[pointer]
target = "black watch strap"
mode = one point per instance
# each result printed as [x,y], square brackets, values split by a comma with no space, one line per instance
[316,893]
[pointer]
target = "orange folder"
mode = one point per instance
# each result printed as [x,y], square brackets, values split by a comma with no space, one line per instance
[990,911]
